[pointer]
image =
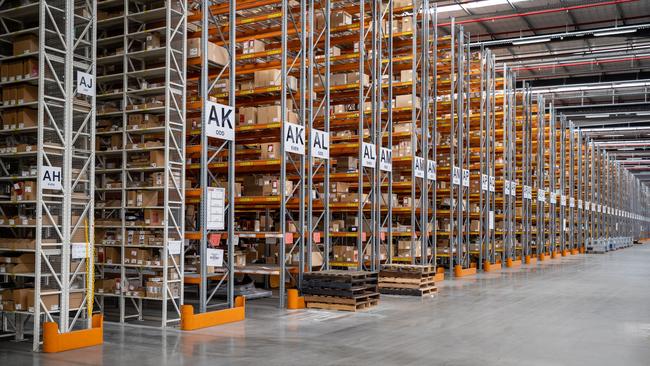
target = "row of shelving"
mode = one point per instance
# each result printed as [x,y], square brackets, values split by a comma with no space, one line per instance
[239,143]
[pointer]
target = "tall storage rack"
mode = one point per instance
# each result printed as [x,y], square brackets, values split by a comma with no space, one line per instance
[524,212]
[46,155]
[140,159]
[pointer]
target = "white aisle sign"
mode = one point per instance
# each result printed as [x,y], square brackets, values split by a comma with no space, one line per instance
[528,192]
[513,188]
[455,175]
[551,198]
[419,167]
[541,195]
[216,207]
[431,170]
[320,144]
[78,250]
[214,257]
[51,177]
[572,202]
[465,177]
[219,121]
[385,159]
[484,182]
[493,184]
[506,187]
[562,200]
[85,84]
[294,138]
[174,247]
[368,155]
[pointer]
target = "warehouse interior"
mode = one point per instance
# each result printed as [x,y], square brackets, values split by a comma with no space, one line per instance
[268,181]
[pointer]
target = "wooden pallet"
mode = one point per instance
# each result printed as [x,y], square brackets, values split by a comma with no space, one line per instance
[408,268]
[342,307]
[342,300]
[428,279]
[409,291]
[407,285]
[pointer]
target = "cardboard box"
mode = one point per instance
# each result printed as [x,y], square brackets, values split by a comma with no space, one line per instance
[406,75]
[216,53]
[354,78]
[347,163]
[404,248]
[8,95]
[30,68]
[247,115]
[264,78]
[338,79]
[4,72]
[16,70]
[345,253]
[152,41]
[26,94]
[252,46]
[340,18]
[21,298]
[153,217]
[157,158]
[269,114]
[146,198]
[112,255]
[26,117]
[25,44]
[270,150]
[403,101]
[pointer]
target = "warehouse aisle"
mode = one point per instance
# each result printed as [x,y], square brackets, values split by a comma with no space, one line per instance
[584,310]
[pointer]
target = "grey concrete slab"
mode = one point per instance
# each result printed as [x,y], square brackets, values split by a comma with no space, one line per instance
[581,310]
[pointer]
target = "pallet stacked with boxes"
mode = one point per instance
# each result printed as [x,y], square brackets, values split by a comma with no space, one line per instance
[46,151]
[140,164]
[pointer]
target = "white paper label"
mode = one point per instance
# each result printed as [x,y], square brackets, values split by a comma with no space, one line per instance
[493,184]
[320,144]
[78,250]
[51,177]
[219,121]
[216,208]
[551,198]
[491,219]
[174,247]
[528,192]
[485,182]
[513,188]
[455,175]
[418,166]
[506,187]
[431,170]
[580,204]
[465,177]
[214,257]
[541,195]
[85,84]
[368,155]
[385,159]
[294,138]
[562,200]
[572,202]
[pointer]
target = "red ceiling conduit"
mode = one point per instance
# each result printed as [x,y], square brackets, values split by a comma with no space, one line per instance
[538,12]
[581,63]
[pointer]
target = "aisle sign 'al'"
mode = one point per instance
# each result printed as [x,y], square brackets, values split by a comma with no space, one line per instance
[368,155]
[431,170]
[85,84]
[219,121]
[385,159]
[294,138]
[320,144]
[419,167]
[51,178]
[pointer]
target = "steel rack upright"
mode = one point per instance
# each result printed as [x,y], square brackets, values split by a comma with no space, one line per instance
[46,165]
[141,166]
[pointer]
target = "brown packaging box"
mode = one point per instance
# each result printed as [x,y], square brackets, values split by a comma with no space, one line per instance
[146,198]
[270,150]
[247,115]
[347,163]
[264,78]
[25,44]
[157,158]
[16,70]
[340,18]
[402,101]
[21,298]
[153,217]
[4,72]
[269,114]
[152,41]
[30,68]
[8,95]
[216,53]
[26,94]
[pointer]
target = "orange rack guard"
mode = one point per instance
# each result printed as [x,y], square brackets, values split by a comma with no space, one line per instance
[574,252]
[511,263]
[544,257]
[489,267]
[294,302]
[191,321]
[459,271]
[530,259]
[53,341]
[566,253]
[440,274]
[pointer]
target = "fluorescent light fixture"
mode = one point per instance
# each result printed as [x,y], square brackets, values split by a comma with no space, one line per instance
[614,32]
[601,115]
[530,41]
[613,135]
[476,5]
[643,113]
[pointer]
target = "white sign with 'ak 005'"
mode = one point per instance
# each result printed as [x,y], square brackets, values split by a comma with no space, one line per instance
[294,138]
[219,121]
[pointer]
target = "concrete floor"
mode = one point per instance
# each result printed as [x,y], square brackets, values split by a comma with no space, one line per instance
[584,310]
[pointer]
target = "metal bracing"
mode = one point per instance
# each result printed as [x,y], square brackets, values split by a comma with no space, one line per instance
[318,221]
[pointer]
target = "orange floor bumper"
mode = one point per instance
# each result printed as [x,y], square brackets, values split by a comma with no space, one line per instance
[575,252]
[294,301]
[544,257]
[53,341]
[191,321]
[511,263]
[491,267]
[440,274]
[566,253]
[459,271]
[582,250]
[530,259]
